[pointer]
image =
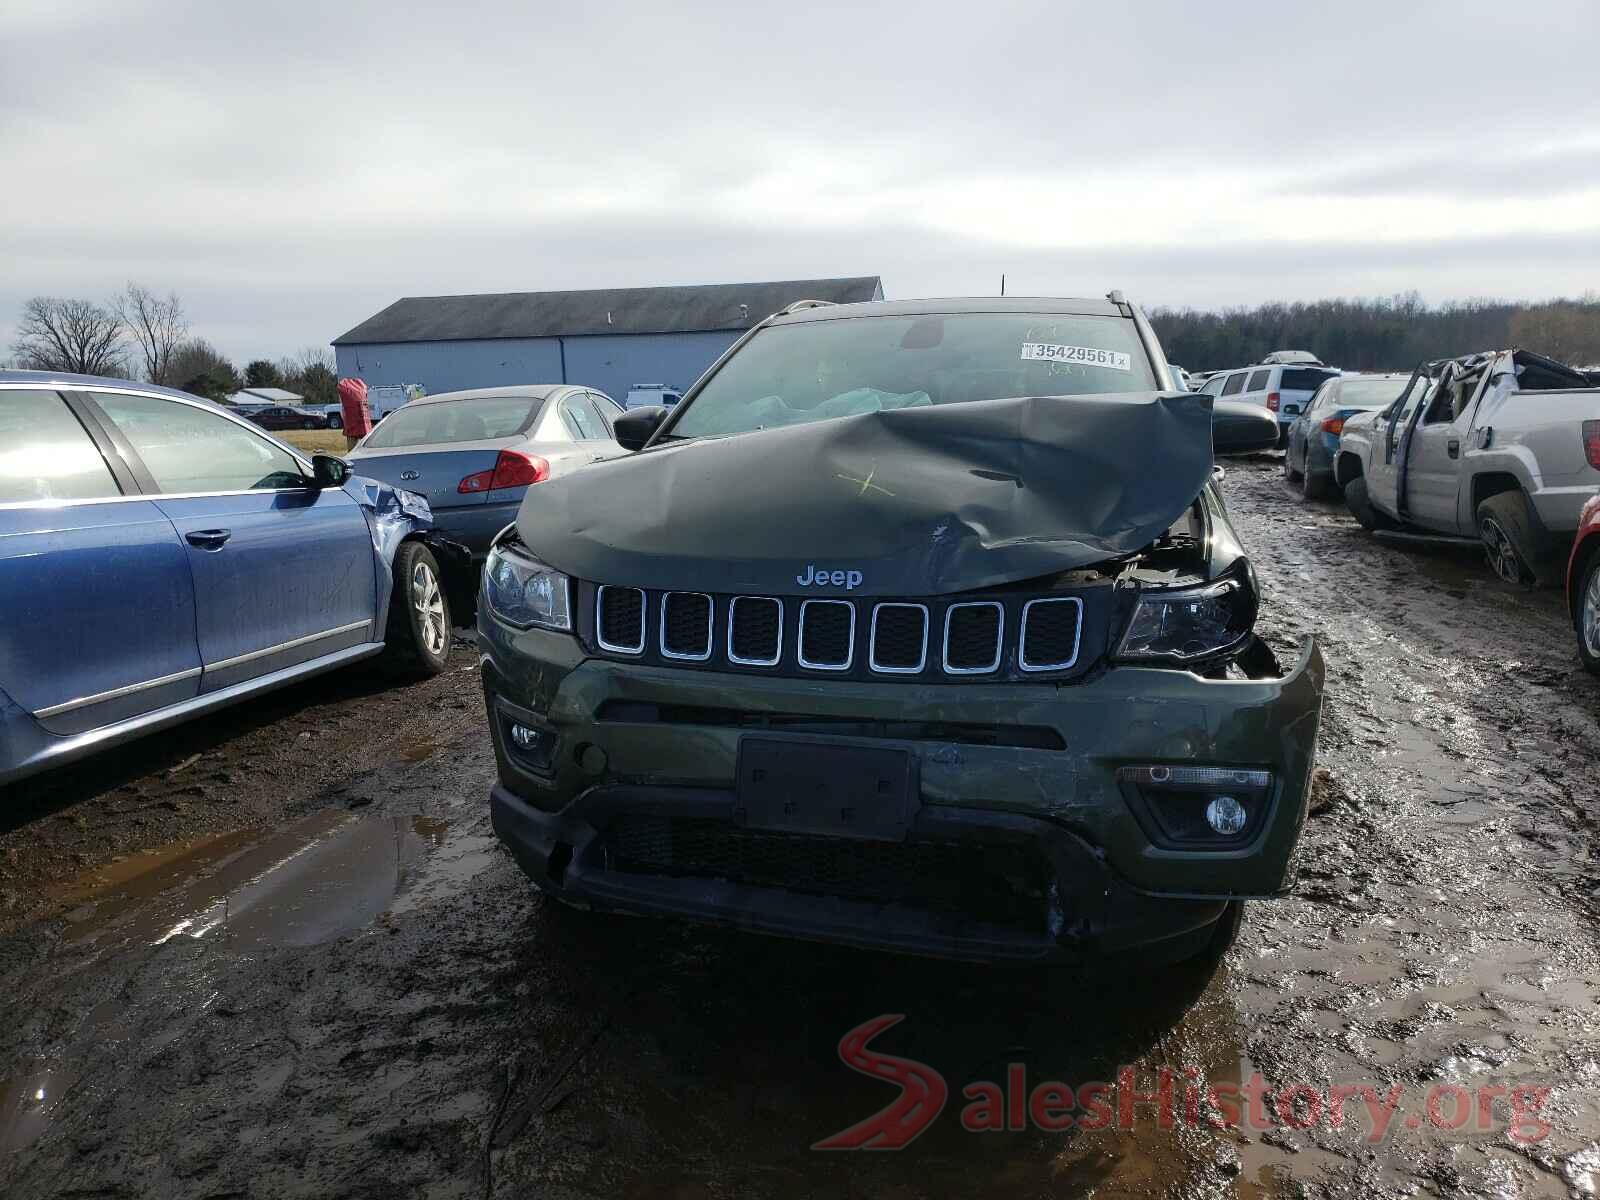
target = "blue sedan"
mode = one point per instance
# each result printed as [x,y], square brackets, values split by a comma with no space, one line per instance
[161,557]
[1312,439]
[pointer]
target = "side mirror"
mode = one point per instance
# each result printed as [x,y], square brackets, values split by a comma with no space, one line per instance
[636,426]
[328,471]
[1241,428]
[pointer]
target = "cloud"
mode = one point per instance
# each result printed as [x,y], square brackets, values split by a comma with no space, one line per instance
[290,169]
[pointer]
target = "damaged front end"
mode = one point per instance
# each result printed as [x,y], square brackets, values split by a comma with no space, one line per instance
[977,680]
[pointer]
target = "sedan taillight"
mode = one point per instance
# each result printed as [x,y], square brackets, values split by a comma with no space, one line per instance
[1333,425]
[511,469]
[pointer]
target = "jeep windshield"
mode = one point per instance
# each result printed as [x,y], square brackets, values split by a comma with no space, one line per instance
[792,374]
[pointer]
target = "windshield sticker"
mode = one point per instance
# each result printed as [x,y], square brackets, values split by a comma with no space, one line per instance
[1087,356]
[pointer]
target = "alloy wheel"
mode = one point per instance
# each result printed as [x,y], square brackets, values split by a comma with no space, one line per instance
[1590,613]
[428,600]
[1500,553]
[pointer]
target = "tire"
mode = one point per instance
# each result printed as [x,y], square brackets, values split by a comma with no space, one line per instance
[1312,485]
[1290,475]
[419,613]
[1586,614]
[1355,498]
[1513,545]
[335,421]
[309,425]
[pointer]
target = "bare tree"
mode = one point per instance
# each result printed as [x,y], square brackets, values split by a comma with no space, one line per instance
[158,325]
[54,334]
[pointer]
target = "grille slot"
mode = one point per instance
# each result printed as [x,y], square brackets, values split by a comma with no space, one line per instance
[686,626]
[1050,633]
[755,631]
[827,634]
[619,619]
[973,637]
[899,643]
[1004,885]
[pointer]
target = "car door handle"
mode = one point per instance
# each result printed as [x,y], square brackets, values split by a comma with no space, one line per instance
[208,539]
[1453,447]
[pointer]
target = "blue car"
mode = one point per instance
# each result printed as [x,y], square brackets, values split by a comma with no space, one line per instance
[1312,439]
[161,557]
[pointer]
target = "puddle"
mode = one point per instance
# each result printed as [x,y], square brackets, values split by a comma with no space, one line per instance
[326,875]
[27,1105]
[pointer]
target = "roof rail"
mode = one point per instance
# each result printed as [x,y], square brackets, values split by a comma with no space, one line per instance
[802,305]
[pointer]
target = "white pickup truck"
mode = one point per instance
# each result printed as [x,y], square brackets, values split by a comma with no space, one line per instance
[1502,446]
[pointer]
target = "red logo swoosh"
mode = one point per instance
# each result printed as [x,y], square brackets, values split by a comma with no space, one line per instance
[922,1093]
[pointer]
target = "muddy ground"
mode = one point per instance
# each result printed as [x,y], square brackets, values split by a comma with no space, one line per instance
[278,953]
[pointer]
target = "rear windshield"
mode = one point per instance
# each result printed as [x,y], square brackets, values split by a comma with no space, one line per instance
[794,374]
[452,421]
[1306,379]
[1369,393]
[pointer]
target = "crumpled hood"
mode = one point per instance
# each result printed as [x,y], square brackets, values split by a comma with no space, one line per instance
[911,502]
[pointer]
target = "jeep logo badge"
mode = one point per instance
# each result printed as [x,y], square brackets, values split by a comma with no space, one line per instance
[815,578]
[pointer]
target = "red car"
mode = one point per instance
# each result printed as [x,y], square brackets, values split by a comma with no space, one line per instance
[1583,583]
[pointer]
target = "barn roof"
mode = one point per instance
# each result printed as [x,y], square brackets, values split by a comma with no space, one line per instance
[697,308]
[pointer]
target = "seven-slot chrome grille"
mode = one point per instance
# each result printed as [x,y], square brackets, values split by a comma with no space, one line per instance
[1010,636]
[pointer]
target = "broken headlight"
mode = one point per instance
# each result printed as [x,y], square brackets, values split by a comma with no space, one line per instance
[523,591]
[1184,624]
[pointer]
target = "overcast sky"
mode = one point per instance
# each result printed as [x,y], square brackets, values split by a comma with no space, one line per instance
[290,168]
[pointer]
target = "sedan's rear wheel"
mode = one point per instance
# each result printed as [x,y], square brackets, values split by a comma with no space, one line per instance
[1289,473]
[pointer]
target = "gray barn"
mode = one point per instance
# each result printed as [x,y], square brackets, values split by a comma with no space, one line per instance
[609,338]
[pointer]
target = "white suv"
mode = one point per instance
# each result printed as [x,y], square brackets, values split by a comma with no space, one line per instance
[1281,389]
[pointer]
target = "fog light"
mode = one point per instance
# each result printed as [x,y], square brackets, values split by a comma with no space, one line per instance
[525,738]
[1226,815]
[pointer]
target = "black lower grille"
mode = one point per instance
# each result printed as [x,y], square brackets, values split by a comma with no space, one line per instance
[1001,885]
[686,624]
[755,629]
[621,618]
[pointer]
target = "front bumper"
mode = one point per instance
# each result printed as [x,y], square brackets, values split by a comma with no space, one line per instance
[632,752]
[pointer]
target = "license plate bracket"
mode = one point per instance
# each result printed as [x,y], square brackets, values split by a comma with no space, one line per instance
[793,785]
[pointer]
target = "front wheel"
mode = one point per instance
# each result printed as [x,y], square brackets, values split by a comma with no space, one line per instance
[419,612]
[335,422]
[1587,618]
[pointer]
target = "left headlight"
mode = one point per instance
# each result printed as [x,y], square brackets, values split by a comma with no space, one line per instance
[523,591]
[1189,623]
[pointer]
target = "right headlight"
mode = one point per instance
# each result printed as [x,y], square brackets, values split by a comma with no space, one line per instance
[522,591]
[1183,624]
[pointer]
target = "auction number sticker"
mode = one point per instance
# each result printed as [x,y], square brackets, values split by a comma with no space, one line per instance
[1087,356]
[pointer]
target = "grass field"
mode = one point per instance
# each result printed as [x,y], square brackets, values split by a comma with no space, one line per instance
[315,441]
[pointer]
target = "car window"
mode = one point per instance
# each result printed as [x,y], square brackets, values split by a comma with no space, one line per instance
[606,406]
[1235,384]
[476,419]
[552,426]
[1258,381]
[1369,393]
[815,370]
[1213,386]
[585,426]
[191,449]
[45,454]
[1320,399]
[1302,379]
[596,409]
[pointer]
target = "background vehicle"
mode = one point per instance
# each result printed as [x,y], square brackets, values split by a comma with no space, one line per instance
[1503,446]
[1583,584]
[1313,438]
[1284,390]
[473,454]
[727,679]
[1180,377]
[284,417]
[642,395]
[385,398]
[1303,358]
[161,557]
